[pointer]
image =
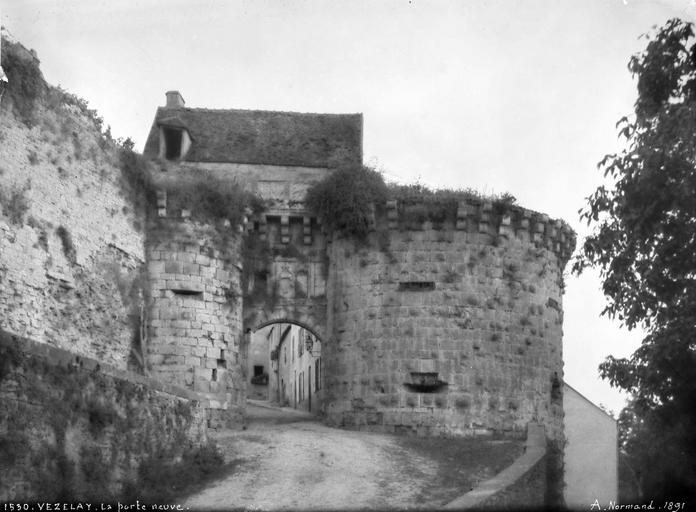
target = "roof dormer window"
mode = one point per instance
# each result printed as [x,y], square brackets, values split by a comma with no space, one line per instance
[174,142]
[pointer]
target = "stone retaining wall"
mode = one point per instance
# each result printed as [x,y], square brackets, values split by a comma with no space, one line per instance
[74,428]
[520,486]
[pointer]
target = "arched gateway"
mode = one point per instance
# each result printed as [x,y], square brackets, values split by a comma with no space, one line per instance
[444,322]
[207,290]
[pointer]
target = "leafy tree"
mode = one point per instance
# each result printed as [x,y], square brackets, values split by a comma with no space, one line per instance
[644,243]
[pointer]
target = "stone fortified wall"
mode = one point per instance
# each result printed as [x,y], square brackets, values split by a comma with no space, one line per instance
[71,244]
[453,328]
[449,328]
[73,423]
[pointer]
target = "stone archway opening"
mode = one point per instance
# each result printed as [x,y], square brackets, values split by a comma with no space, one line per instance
[285,366]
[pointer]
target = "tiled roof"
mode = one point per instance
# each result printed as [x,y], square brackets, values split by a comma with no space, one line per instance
[263,137]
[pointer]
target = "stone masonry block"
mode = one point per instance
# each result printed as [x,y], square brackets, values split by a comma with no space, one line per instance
[155,267]
[201,372]
[173,267]
[201,385]
[213,353]
[191,269]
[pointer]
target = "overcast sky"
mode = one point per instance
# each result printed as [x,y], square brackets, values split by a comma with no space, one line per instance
[500,96]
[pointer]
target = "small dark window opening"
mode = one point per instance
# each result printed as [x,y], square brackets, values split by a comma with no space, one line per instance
[172,143]
[187,292]
[260,280]
[221,363]
[214,375]
[425,382]
[260,378]
[416,286]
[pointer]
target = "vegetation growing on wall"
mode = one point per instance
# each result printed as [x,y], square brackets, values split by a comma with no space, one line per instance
[27,89]
[345,201]
[441,204]
[210,199]
[136,178]
[14,203]
[67,243]
[121,426]
[29,97]
[206,197]
[26,85]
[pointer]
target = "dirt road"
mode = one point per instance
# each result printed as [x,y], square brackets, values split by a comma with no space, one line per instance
[290,461]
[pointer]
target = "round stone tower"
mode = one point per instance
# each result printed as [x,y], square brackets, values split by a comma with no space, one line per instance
[194,315]
[450,327]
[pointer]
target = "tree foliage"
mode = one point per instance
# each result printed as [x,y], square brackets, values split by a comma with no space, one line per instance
[644,244]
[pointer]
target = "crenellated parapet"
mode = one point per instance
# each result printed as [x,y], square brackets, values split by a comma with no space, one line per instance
[486,218]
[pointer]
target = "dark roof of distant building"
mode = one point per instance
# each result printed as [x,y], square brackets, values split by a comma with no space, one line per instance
[263,137]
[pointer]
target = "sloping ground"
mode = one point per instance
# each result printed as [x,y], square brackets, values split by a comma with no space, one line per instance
[290,461]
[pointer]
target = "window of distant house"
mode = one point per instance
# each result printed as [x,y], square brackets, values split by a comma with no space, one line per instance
[173,141]
[258,370]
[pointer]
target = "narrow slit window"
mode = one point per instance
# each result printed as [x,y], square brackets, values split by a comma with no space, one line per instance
[416,286]
[195,293]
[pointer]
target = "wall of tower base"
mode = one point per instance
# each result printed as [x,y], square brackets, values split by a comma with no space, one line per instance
[194,313]
[444,332]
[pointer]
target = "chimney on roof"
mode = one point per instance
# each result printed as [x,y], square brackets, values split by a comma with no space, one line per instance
[175,99]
